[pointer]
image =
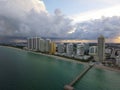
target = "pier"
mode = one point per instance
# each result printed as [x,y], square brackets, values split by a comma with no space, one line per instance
[70,86]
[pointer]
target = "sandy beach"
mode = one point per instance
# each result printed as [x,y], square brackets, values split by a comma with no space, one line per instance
[70,60]
[79,62]
[61,58]
[107,68]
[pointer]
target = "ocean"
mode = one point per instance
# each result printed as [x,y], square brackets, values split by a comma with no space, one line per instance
[23,70]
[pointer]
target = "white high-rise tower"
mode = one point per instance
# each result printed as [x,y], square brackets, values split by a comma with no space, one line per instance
[101,48]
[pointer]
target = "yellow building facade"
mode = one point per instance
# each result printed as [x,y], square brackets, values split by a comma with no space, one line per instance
[52,48]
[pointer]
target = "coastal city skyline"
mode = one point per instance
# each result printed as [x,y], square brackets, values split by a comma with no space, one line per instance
[74,20]
[59,44]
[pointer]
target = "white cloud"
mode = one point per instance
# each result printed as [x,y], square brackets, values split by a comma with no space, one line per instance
[97,14]
[19,8]
[111,2]
[30,18]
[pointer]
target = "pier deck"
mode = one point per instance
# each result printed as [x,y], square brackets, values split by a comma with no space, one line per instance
[70,86]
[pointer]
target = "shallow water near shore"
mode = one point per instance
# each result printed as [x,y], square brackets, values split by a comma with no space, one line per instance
[22,70]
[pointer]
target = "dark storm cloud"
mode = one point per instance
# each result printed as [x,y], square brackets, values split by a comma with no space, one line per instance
[24,18]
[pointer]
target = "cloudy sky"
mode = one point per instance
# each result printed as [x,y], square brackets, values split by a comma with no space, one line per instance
[80,19]
[82,10]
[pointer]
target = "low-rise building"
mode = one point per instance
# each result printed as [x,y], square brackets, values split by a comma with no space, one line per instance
[118,61]
[93,52]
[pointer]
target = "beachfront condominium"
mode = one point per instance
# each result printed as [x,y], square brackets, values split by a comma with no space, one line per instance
[33,43]
[69,49]
[37,43]
[101,48]
[47,45]
[52,48]
[61,48]
[29,43]
[42,45]
[93,50]
[86,47]
[80,49]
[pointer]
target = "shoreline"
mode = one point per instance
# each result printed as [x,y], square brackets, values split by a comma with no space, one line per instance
[62,58]
[12,47]
[107,68]
[54,56]
[68,59]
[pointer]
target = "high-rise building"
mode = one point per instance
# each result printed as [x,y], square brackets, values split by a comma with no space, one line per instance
[69,49]
[42,45]
[38,44]
[61,48]
[47,45]
[101,48]
[29,43]
[80,49]
[86,47]
[52,48]
[34,43]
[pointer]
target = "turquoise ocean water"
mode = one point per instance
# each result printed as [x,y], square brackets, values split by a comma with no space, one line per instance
[22,70]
